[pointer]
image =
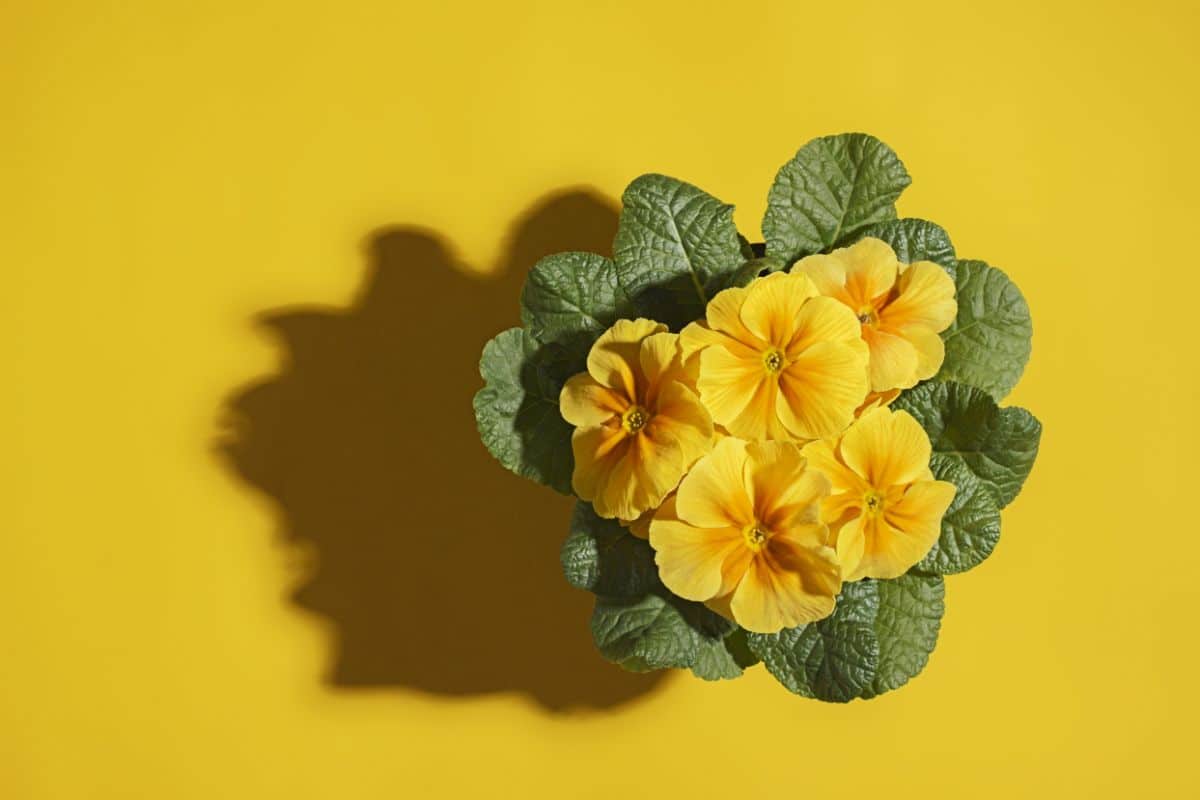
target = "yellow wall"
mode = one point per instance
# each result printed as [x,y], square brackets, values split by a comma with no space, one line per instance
[204,606]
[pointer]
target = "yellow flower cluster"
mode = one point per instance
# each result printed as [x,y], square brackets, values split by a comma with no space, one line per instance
[756,450]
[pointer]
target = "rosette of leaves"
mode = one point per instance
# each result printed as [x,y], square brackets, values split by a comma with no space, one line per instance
[676,247]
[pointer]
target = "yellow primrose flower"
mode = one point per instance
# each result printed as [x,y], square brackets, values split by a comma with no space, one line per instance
[902,307]
[742,534]
[638,425]
[779,362]
[875,400]
[885,511]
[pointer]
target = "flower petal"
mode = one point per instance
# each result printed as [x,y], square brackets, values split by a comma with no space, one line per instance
[907,530]
[692,562]
[926,299]
[931,351]
[772,306]
[728,383]
[715,493]
[614,359]
[823,319]
[724,314]
[850,540]
[584,402]
[786,493]
[679,415]
[828,274]
[887,448]
[893,360]
[658,358]
[597,450]
[641,479]
[821,388]
[785,586]
[871,268]
[822,457]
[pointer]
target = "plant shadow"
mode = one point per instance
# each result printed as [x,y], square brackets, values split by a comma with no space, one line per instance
[437,568]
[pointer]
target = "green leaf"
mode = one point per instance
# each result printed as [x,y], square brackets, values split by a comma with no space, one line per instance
[906,627]
[715,660]
[988,344]
[833,188]
[971,525]
[998,445]
[675,246]
[912,239]
[602,556]
[834,659]
[517,409]
[658,631]
[752,269]
[571,298]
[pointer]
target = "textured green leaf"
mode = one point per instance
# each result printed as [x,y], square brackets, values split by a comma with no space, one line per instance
[753,268]
[906,626]
[657,631]
[988,344]
[912,239]
[602,556]
[998,445]
[971,526]
[834,659]
[571,298]
[517,409]
[716,661]
[832,189]
[675,247]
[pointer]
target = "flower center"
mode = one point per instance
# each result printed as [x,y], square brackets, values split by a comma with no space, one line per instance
[867,316]
[773,361]
[873,502]
[756,536]
[634,419]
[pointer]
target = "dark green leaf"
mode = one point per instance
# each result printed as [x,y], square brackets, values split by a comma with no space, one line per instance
[675,247]
[998,445]
[833,188]
[754,268]
[571,298]
[602,556]
[906,627]
[912,239]
[971,526]
[834,659]
[657,631]
[988,344]
[517,409]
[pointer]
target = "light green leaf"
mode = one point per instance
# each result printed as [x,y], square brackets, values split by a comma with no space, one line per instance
[834,659]
[971,525]
[988,344]
[998,445]
[675,246]
[906,626]
[657,631]
[602,556]
[517,409]
[912,239]
[833,188]
[571,298]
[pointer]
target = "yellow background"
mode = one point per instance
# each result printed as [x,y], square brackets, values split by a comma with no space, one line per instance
[172,172]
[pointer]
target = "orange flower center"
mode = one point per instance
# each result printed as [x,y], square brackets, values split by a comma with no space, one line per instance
[873,502]
[868,316]
[634,419]
[773,361]
[756,536]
